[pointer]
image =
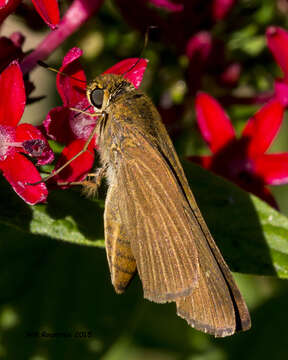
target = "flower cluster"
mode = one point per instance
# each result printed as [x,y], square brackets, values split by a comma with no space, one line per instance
[78,126]
[244,160]
[61,124]
[16,140]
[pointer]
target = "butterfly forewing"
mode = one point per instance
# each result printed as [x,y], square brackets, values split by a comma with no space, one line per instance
[219,318]
[159,228]
[210,308]
[165,229]
[242,317]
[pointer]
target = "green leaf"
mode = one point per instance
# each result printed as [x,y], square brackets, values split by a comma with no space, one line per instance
[252,236]
[67,216]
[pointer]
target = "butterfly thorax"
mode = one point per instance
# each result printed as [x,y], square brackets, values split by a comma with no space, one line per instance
[125,110]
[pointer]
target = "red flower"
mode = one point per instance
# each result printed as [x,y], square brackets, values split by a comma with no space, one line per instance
[47,9]
[17,139]
[277,40]
[73,129]
[244,160]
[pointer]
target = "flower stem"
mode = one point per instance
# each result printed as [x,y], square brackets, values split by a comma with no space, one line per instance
[77,14]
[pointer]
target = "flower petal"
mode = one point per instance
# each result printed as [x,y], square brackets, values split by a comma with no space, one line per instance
[71,90]
[132,69]
[17,38]
[277,39]
[49,11]
[57,125]
[231,74]
[63,125]
[7,7]
[79,168]
[262,128]
[26,132]
[13,98]
[213,122]
[167,5]
[19,171]
[272,168]
[281,91]
[199,46]
[220,8]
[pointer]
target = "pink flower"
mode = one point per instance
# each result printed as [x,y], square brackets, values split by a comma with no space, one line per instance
[199,46]
[243,160]
[220,8]
[230,76]
[47,9]
[207,55]
[277,40]
[199,51]
[167,5]
[72,128]
[18,139]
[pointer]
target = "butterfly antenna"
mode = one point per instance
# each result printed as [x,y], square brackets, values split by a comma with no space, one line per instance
[46,66]
[146,39]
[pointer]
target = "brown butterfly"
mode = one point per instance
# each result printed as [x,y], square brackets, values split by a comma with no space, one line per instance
[152,222]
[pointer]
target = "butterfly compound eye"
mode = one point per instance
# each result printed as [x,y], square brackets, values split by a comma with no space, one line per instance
[96,97]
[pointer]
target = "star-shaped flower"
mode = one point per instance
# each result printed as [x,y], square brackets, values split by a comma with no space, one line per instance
[243,160]
[17,140]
